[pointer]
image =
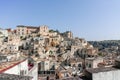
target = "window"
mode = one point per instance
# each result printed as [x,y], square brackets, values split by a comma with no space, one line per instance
[89,65]
[65,74]
[25,72]
[46,64]
[22,33]
[18,32]
[22,72]
[79,65]
[10,39]
[86,64]
[27,31]
[52,39]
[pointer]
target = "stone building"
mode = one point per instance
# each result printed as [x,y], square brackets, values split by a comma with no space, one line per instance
[104,73]
[13,43]
[3,32]
[14,40]
[43,30]
[93,62]
[19,67]
[25,30]
[67,34]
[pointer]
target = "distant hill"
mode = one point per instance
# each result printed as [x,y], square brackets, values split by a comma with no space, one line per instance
[105,44]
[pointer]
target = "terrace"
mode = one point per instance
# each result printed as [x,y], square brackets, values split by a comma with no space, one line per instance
[14,77]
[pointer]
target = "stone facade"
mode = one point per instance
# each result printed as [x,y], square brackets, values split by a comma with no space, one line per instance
[93,62]
[3,32]
[43,30]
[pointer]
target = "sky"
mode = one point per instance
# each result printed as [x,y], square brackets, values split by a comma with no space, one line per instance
[89,19]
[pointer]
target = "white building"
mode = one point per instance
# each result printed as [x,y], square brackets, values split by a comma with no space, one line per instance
[19,67]
[104,73]
[108,73]
[3,32]
[45,65]
[34,72]
[1,41]
[13,47]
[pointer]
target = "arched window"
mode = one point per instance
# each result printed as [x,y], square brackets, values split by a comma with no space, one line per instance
[79,65]
[89,65]
[50,52]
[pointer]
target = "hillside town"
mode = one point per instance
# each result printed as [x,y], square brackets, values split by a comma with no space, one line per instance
[41,53]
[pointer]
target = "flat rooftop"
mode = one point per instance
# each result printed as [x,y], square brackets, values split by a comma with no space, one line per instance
[94,58]
[74,60]
[104,69]
[117,59]
[71,78]
[14,77]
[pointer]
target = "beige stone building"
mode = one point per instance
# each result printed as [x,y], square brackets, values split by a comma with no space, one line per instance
[43,30]
[93,62]
[25,30]
[67,34]
[14,39]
